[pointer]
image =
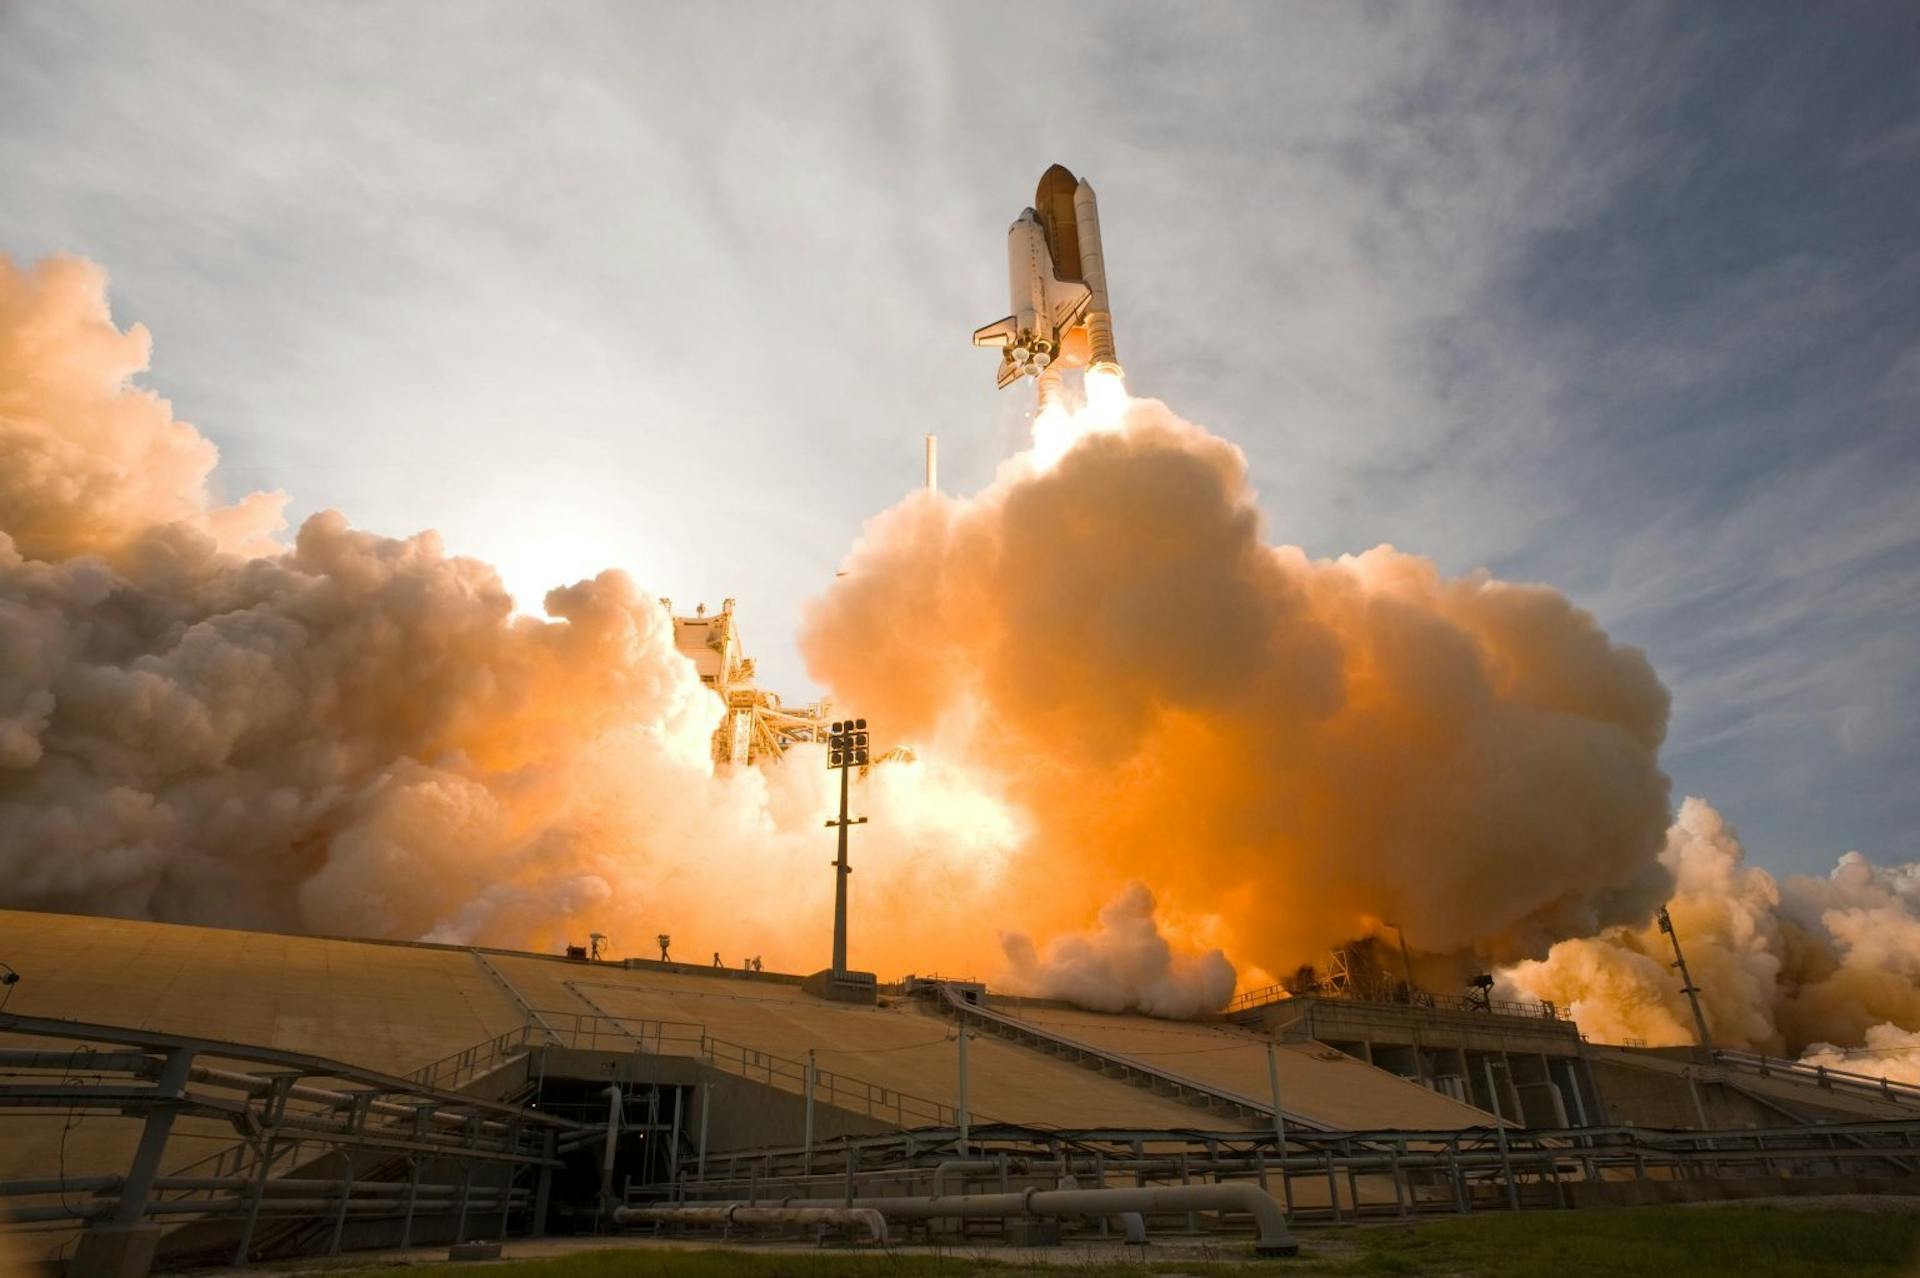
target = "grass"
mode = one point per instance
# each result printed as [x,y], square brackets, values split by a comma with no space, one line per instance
[1637,1242]
[1658,1242]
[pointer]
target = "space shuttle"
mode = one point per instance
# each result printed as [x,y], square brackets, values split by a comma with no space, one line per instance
[1058,278]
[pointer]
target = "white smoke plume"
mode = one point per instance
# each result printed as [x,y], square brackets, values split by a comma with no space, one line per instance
[356,734]
[1299,746]
[1784,966]
[1125,964]
[1109,674]
[1888,1052]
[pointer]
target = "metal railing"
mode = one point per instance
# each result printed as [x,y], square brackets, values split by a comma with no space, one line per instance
[1825,1076]
[1128,1068]
[603,1032]
[1267,995]
[1333,1177]
[450,1073]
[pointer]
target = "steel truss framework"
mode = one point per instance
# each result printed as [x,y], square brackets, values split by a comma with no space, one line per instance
[318,1141]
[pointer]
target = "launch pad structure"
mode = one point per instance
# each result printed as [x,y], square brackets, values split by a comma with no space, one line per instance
[755,726]
[253,1097]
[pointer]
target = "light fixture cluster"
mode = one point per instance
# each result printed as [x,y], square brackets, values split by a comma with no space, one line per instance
[847,744]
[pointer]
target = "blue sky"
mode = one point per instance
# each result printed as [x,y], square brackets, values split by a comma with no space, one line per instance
[1621,298]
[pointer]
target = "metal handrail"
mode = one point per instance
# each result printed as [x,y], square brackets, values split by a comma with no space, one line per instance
[690,1038]
[455,1070]
[962,1008]
[1821,1075]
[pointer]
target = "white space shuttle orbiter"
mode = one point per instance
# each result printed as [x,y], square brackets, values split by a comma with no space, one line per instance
[1058,277]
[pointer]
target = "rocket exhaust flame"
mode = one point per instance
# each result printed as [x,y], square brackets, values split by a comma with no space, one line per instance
[1111,675]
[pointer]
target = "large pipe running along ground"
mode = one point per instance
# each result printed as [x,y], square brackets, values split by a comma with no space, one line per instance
[1131,1223]
[740,1214]
[1274,1238]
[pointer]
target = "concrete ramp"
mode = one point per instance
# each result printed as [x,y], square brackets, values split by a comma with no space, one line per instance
[1329,1088]
[387,1007]
[897,1044]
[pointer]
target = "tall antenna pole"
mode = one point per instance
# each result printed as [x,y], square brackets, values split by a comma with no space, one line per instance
[933,463]
[1687,986]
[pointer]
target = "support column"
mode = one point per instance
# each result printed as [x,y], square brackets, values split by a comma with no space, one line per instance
[123,1245]
[706,1101]
[962,1113]
[413,1200]
[1279,1128]
[340,1212]
[271,1114]
[543,1189]
[1500,1131]
[806,1158]
[466,1193]
[673,1148]
[168,1091]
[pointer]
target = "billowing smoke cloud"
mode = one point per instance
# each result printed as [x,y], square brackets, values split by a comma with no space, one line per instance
[1109,675]
[1125,964]
[357,734]
[1784,965]
[1889,1052]
[88,464]
[1304,748]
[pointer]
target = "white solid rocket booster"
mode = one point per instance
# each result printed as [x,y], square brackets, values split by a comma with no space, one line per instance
[1093,269]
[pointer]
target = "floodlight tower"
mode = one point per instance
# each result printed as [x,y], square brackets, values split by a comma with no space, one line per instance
[846,749]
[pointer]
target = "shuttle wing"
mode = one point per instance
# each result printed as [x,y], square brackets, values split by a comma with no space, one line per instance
[995,334]
[1069,301]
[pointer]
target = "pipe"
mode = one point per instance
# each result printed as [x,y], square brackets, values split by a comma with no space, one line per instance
[960,1167]
[80,1059]
[962,1115]
[37,1214]
[1133,1226]
[251,1084]
[740,1214]
[1274,1238]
